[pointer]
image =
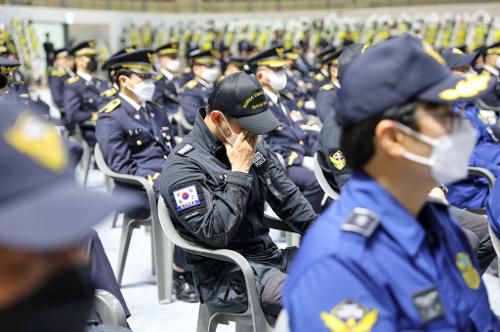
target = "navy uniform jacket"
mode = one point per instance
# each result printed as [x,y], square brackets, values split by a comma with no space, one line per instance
[326,99]
[473,192]
[331,159]
[319,79]
[194,94]
[214,207]
[368,265]
[56,86]
[492,98]
[167,93]
[289,139]
[82,99]
[134,142]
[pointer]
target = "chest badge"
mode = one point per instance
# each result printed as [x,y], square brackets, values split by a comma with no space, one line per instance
[468,271]
[338,160]
[428,305]
[349,316]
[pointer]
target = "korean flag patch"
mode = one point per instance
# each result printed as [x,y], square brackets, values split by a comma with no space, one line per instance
[186,198]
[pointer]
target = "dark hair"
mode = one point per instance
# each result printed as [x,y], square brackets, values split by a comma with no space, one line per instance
[356,141]
[118,73]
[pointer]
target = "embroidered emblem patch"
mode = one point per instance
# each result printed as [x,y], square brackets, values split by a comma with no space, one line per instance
[186,198]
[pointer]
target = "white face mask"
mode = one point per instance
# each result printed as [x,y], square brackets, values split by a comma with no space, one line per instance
[173,66]
[277,80]
[144,90]
[210,74]
[229,139]
[450,153]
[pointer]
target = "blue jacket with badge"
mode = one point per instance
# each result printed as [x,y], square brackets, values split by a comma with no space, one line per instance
[82,99]
[194,94]
[56,86]
[135,142]
[290,140]
[368,265]
[167,93]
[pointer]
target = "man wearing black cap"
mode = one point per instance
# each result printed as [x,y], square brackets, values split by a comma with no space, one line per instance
[135,136]
[194,94]
[44,272]
[291,139]
[383,257]
[167,83]
[82,91]
[215,184]
[322,77]
[60,73]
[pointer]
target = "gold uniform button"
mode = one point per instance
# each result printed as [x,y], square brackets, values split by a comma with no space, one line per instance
[138,142]
[301,142]
[164,157]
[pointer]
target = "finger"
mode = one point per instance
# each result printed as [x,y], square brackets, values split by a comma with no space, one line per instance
[239,140]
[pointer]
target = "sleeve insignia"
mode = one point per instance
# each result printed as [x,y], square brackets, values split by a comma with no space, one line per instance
[108,93]
[191,84]
[468,271]
[349,316]
[186,198]
[327,87]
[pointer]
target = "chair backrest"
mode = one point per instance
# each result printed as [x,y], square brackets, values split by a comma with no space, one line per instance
[320,176]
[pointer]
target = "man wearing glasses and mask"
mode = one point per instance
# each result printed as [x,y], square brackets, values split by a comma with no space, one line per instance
[384,257]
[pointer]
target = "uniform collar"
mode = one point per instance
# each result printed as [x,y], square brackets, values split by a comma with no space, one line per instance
[205,84]
[167,74]
[85,76]
[394,218]
[201,129]
[273,96]
[132,102]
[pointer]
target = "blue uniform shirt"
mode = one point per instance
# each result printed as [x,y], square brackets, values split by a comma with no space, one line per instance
[384,271]
[167,93]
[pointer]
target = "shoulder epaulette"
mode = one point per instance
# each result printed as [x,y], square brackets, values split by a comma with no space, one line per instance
[185,149]
[57,73]
[111,106]
[327,87]
[191,84]
[73,79]
[287,95]
[109,92]
[159,76]
[361,221]
[319,77]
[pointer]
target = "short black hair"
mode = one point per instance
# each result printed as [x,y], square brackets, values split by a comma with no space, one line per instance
[118,73]
[356,141]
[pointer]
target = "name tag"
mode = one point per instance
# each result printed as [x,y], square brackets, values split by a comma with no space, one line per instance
[428,304]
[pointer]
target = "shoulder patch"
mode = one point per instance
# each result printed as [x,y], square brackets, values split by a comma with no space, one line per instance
[319,77]
[58,73]
[361,221]
[159,76]
[111,106]
[185,149]
[108,93]
[327,87]
[188,200]
[73,79]
[191,84]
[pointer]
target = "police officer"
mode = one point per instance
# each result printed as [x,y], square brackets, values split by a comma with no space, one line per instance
[215,184]
[322,77]
[58,75]
[135,137]
[112,93]
[489,60]
[82,92]
[383,258]
[234,64]
[45,276]
[194,94]
[167,83]
[290,140]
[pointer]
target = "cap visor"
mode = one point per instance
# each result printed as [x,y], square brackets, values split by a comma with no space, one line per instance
[455,88]
[465,60]
[260,123]
[55,216]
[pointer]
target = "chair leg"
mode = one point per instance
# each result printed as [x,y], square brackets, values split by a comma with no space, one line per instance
[203,318]
[153,255]
[163,251]
[115,219]
[244,328]
[89,165]
[127,229]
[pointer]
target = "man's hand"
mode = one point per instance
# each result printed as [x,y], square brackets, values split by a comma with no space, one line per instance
[241,154]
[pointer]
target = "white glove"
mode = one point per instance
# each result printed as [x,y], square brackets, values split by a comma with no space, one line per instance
[308,162]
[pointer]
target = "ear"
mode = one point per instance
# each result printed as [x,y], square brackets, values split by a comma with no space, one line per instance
[216,117]
[388,138]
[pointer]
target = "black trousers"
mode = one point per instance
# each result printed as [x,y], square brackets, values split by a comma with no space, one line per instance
[231,291]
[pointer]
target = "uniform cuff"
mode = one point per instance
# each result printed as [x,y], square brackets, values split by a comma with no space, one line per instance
[239,178]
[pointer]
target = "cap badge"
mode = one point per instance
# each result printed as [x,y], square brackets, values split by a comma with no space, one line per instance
[349,316]
[338,160]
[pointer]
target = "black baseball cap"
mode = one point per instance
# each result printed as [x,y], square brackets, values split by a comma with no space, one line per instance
[400,70]
[41,206]
[241,96]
